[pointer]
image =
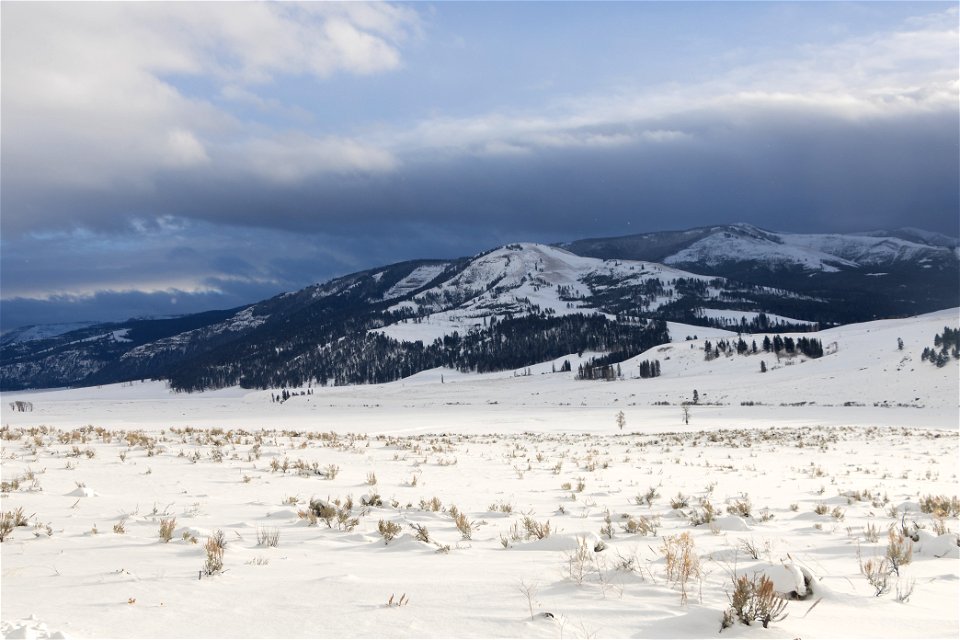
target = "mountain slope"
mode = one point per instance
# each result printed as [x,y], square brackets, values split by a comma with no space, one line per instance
[867,276]
[505,308]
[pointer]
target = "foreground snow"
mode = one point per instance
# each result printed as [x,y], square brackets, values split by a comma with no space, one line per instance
[815,475]
[82,578]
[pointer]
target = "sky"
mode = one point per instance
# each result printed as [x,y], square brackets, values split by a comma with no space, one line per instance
[167,158]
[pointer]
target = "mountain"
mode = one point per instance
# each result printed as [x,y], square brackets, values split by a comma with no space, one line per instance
[865,276]
[504,309]
[33,332]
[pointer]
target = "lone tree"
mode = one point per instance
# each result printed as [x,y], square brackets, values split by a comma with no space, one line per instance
[763,367]
[621,420]
[686,414]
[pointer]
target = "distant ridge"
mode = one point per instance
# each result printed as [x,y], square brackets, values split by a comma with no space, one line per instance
[509,307]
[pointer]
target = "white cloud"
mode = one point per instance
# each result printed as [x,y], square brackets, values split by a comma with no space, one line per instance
[882,75]
[88,103]
[294,157]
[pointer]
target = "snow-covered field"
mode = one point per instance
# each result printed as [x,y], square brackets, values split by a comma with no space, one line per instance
[808,467]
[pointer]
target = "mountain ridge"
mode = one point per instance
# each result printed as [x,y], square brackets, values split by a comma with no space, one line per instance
[507,306]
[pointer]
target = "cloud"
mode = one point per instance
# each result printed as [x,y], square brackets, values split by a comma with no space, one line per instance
[153,148]
[294,157]
[91,102]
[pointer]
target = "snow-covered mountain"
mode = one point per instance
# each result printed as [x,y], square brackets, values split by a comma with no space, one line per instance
[33,332]
[744,244]
[508,307]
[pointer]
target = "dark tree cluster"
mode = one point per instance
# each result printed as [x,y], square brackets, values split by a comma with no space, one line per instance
[810,347]
[944,346]
[371,357]
[594,371]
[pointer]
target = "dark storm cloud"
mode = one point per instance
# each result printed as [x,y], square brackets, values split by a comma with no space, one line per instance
[781,170]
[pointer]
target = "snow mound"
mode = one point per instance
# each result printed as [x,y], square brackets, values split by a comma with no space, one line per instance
[731,523]
[83,492]
[29,629]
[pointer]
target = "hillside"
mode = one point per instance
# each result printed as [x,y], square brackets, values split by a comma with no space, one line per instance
[506,308]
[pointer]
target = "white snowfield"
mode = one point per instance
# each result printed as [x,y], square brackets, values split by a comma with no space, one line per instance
[805,469]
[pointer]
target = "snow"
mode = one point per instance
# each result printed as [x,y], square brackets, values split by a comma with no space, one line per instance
[416,279]
[815,252]
[500,447]
[518,279]
[718,248]
[40,332]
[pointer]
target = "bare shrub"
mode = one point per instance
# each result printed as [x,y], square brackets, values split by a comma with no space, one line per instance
[905,590]
[167,525]
[741,508]
[120,527]
[871,532]
[754,600]
[607,528]
[877,572]
[389,530]
[940,505]
[578,560]
[682,562]
[703,515]
[6,525]
[529,591]
[421,532]
[323,511]
[534,529]
[372,500]
[464,525]
[899,550]
[751,548]
[398,603]
[214,549]
[648,497]
[641,525]
[268,537]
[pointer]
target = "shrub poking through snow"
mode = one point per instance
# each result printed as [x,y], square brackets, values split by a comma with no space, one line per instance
[464,526]
[741,508]
[640,525]
[167,525]
[578,560]
[421,532]
[6,525]
[214,548]
[682,562]
[704,515]
[877,572]
[398,603]
[268,536]
[899,550]
[389,530]
[754,600]
[940,505]
[538,530]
